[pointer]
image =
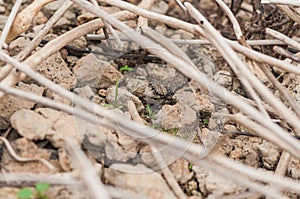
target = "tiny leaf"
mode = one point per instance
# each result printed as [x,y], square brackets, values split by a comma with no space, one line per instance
[25,193]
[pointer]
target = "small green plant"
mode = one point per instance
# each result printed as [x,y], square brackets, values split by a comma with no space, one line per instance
[190,166]
[25,193]
[115,104]
[40,189]
[150,112]
[172,131]
[125,68]
[205,121]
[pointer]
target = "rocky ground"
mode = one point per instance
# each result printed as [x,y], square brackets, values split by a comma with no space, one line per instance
[165,99]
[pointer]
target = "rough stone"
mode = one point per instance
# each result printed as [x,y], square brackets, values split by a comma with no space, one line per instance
[10,104]
[54,125]
[139,179]
[209,183]
[178,116]
[123,97]
[55,69]
[269,154]
[180,170]
[17,45]
[136,86]
[224,78]
[96,73]
[294,168]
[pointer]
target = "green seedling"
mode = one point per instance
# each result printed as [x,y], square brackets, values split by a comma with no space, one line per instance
[205,121]
[25,193]
[115,104]
[125,68]
[40,189]
[150,112]
[190,166]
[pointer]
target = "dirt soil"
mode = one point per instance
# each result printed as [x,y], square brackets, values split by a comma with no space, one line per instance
[166,100]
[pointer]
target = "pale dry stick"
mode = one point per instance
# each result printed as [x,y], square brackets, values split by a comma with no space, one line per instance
[240,178]
[230,56]
[194,29]
[283,38]
[166,43]
[33,44]
[181,5]
[281,89]
[9,23]
[266,42]
[257,129]
[157,155]
[179,64]
[286,53]
[283,2]
[58,43]
[262,58]
[110,29]
[4,71]
[236,26]
[241,39]
[87,171]
[264,176]
[23,20]
[19,179]
[39,37]
[142,21]
[21,159]
[289,12]
[282,165]
[191,151]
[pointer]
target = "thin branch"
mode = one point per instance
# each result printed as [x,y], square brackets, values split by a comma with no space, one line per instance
[283,38]
[235,23]
[9,23]
[39,37]
[283,2]
[86,169]
[21,159]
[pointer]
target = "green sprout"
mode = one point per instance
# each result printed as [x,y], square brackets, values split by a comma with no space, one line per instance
[125,68]
[190,166]
[40,188]
[205,121]
[115,104]
[25,193]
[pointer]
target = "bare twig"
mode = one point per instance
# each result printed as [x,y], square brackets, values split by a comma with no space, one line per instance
[86,169]
[21,159]
[283,2]
[287,10]
[38,38]
[24,18]
[283,38]
[9,23]
[236,26]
